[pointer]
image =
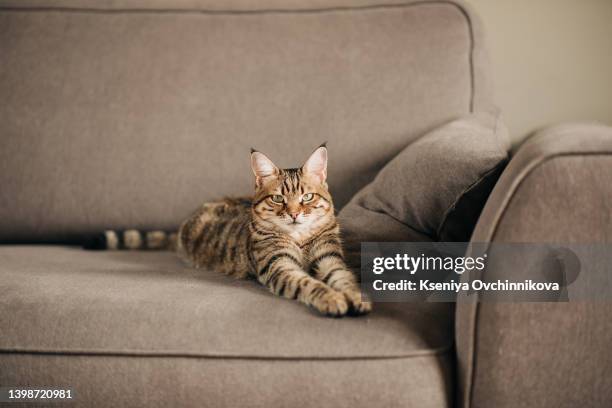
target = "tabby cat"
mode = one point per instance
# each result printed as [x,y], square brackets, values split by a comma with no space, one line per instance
[286,236]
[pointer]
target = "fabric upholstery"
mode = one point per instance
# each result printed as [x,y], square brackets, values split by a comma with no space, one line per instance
[115,381]
[105,322]
[555,190]
[359,224]
[120,114]
[436,186]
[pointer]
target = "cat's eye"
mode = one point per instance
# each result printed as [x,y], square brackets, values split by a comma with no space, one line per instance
[278,198]
[307,197]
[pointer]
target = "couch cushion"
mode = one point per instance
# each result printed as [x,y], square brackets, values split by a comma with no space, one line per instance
[435,187]
[61,301]
[130,113]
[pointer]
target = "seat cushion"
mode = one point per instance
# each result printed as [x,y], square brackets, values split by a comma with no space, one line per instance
[103,322]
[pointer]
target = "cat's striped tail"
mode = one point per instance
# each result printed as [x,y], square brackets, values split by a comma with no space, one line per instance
[132,239]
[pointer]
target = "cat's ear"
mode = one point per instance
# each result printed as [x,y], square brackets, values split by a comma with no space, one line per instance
[262,167]
[316,165]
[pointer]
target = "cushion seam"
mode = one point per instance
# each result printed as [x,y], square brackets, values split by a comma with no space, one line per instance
[169,354]
[194,10]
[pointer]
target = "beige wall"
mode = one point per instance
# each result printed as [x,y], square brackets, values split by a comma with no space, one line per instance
[552,60]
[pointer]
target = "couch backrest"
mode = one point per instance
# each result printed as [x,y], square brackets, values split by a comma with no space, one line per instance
[129,113]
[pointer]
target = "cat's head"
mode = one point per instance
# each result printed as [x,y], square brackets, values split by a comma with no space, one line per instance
[292,199]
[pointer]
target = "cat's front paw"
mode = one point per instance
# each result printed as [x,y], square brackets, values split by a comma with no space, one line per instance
[332,304]
[357,304]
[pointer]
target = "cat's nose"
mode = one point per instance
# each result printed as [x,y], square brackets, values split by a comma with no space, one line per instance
[294,215]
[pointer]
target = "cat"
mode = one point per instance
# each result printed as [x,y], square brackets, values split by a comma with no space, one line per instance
[286,236]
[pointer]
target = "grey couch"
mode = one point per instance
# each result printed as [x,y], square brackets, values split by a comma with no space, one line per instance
[129,113]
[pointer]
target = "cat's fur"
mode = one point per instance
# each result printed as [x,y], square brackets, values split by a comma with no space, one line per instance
[286,236]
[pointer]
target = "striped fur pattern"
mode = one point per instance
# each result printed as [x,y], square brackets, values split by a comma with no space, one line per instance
[286,236]
[133,240]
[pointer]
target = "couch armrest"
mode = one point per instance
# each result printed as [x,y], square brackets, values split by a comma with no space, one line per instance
[556,189]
